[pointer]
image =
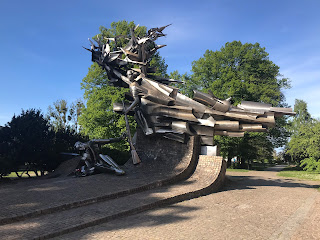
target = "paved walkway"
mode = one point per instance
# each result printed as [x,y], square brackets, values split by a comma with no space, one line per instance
[45,223]
[253,205]
[22,197]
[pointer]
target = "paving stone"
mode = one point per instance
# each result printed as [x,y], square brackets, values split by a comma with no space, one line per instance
[252,205]
[33,197]
[55,224]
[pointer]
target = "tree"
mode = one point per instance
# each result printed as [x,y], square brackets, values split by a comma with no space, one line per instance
[29,141]
[62,116]
[6,160]
[312,148]
[251,147]
[187,86]
[302,115]
[244,72]
[304,145]
[98,119]
[296,126]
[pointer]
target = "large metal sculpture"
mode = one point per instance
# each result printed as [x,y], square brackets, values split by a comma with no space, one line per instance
[159,108]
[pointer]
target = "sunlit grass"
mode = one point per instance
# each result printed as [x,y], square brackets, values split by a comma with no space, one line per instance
[300,175]
[236,170]
[24,175]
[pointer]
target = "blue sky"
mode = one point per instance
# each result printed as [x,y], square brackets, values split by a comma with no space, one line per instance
[42,59]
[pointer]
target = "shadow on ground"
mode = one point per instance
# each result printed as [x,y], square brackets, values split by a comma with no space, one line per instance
[174,213]
[148,218]
[22,230]
[251,182]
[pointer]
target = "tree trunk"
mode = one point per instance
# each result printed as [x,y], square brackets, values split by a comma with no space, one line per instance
[229,161]
[242,163]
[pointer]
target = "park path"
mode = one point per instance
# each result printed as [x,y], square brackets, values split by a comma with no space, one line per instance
[252,205]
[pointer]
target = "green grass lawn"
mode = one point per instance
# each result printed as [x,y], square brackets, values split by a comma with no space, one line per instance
[237,170]
[292,173]
[24,175]
[299,174]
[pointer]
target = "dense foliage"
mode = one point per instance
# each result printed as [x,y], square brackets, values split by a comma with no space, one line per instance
[28,142]
[243,72]
[304,145]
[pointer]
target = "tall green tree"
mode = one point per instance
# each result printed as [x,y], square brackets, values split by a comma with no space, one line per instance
[244,72]
[295,126]
[304,145]
[302,115]
[62,115]
[98,119]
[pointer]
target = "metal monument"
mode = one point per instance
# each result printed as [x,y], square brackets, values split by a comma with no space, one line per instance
[92,160]
[158,106]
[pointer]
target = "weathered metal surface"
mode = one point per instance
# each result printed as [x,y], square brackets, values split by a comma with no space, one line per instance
[159,108]
[210,150]
[91,160]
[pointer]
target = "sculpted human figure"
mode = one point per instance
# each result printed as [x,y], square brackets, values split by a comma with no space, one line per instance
[92,160]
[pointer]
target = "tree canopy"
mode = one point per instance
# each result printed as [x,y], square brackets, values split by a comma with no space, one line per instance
[63,115]
[28,141]
[302,116]
[243,72]
[304,143]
